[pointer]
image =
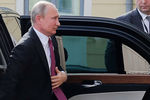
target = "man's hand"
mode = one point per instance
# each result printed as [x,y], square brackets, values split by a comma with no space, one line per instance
[58,79]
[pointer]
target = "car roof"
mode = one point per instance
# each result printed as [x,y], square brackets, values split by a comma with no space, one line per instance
[4,10]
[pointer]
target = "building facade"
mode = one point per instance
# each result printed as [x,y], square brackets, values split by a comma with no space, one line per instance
[98,8]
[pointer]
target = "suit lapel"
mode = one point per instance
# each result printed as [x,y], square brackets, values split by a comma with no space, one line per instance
[137,20]
[40,49]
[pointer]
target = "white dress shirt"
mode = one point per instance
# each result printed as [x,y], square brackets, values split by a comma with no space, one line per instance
[44,40]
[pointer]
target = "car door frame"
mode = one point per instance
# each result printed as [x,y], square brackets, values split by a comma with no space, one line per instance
[6,41]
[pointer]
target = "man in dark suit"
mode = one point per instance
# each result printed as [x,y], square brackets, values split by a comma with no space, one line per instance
[133,17]
[137,17]
[28,75]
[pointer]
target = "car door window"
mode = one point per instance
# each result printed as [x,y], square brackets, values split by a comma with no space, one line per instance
[6,43]
[133,62]
[13,26]
[95,54]
[85,54]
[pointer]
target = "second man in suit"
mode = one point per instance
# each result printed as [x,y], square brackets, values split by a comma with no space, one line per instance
[138,16]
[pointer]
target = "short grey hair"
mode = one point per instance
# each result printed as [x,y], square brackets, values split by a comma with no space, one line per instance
[40,8]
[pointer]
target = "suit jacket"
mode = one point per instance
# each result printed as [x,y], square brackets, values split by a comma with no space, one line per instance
[27,76]
[134,18]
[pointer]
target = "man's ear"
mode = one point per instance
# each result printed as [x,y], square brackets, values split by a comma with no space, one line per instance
[38,19]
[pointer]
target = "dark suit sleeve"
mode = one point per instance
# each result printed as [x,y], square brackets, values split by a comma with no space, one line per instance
[19,59]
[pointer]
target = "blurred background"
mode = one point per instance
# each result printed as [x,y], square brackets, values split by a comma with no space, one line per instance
[99,8]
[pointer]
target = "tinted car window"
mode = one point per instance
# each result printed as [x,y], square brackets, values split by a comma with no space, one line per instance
[85,54]
[88,54]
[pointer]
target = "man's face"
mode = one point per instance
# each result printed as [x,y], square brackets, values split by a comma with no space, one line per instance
[50,22]
[143,6]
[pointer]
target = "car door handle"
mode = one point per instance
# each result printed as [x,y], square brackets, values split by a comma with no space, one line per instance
[95,83]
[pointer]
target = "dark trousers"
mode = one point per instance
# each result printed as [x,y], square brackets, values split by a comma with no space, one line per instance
[54,97]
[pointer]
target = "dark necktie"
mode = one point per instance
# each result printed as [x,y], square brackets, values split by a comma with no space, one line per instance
[57,91]
[148,18]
